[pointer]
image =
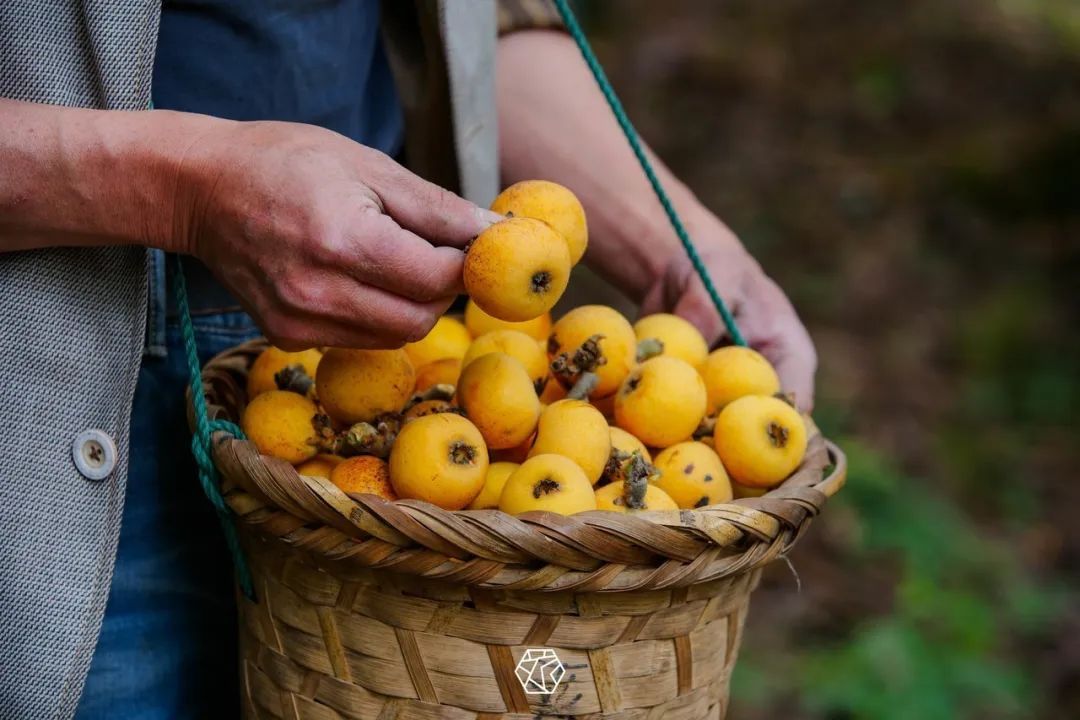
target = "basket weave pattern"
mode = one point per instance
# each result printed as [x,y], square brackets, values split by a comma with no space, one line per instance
[377,609]
[381,645]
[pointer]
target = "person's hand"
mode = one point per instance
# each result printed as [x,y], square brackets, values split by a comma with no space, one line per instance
[322,240]
[763,313]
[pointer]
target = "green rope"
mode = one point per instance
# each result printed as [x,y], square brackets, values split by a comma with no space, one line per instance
[202,439]
[575,31]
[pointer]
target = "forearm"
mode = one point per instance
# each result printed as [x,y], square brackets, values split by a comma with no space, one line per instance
[75,177]
[554,124]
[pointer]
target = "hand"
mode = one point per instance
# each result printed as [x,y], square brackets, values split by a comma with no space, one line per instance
[763,313]
[324,241]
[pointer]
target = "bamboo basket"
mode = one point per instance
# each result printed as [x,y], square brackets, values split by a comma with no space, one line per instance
[400,610]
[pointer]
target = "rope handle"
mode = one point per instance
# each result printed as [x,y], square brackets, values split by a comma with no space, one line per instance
[202,440]
[572,26]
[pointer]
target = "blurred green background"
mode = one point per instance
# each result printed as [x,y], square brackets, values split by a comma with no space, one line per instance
[910,173]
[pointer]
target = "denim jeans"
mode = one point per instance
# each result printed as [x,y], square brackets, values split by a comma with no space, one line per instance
[167,647]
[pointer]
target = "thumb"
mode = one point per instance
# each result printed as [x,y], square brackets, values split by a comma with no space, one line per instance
[434,213]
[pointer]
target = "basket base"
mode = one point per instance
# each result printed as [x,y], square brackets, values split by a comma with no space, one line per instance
[380,645]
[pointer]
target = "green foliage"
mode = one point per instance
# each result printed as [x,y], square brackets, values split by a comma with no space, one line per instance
[1061,17]
[942,652]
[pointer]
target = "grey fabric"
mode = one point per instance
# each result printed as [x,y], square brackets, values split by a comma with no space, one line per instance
[72,329]
[71,333]
[469,31]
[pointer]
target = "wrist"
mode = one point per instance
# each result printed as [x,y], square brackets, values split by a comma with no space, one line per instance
[637,237]
[629,249]
[78,177]
[165,175]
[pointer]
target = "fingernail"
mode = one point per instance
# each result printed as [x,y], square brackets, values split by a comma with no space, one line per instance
[488,217]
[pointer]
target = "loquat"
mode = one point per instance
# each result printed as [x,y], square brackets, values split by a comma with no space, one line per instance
[627,443]
[271,361]
[517,454]
[678,337]
[517,345]
[576,430]
[359,385]
[497,395]
[440,459]
[552,203]
[494,481]
[517,269]
[553,391]
[364,474]
[743,491]
[479,323]
[281,424]
[447,339]
[593,338]
[439,372]
[319,466]
[429,407]
[760,439]
[734,371]
[613,496]
[547,482]
[693,475]
[661,402]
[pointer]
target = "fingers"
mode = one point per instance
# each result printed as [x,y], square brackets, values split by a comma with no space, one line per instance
[683,293]
[367,283]
[697,307]
[433,213]
[368,329]
[378,252]
[772,326]
[334,309]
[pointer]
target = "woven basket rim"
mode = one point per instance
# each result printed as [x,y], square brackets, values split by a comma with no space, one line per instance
[592,551]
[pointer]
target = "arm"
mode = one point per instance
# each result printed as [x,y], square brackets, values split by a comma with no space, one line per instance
[323,240]
[78,177]
[554,124]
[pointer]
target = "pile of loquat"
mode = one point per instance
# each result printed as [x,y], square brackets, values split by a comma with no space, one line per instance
[502,408]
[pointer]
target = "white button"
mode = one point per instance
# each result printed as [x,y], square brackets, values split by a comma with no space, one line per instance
[94,453]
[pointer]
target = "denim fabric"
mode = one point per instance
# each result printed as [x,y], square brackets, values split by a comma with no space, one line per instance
[167,647]
[295,60]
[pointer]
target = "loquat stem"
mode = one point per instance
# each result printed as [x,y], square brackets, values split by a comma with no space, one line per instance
[325,435]
[634,472]
[569,366]
[649,348]
[584,386]
[363,438]
[613,469]
[294,378]
[636,482]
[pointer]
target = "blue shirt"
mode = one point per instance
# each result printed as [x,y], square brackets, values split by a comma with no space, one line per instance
[310,61]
